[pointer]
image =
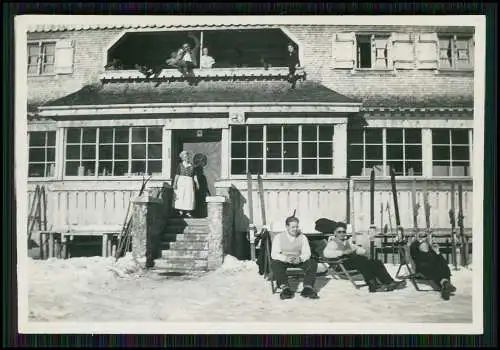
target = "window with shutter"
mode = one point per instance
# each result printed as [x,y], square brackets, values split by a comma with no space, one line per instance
[373,51]
[344,50]
[64,52]
[41,58]
[427,51]
[455,52]
[402,51]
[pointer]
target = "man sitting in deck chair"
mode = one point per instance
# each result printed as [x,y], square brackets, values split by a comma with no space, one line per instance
[291,249]
[431,265]
[374,272]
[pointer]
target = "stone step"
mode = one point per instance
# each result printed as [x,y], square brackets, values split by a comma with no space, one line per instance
[186,229]
[164,245]
[160,267]
[188,245]
[181,264]
[188,237]
[175,254]
[186,222]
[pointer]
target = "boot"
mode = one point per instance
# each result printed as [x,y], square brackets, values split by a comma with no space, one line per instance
[396,285]
[286,293]
[374,287]
[445,290]
[309,292]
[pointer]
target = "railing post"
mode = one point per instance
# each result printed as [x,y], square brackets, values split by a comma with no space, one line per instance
[145,229]
[217,224]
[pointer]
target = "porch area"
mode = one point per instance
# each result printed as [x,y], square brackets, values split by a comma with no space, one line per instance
[99,208]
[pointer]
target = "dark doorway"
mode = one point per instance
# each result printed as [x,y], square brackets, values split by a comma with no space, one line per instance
[205,146]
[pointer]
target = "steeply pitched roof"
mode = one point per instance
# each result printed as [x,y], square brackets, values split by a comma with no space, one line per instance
[205,92]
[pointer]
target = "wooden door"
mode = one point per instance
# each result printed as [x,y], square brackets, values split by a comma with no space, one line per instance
[205,147]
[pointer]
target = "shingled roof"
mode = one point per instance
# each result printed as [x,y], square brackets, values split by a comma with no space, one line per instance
[120,93]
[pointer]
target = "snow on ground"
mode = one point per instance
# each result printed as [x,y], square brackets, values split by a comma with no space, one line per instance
[98,289]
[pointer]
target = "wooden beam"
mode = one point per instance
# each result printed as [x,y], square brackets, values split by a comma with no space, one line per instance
[132,111]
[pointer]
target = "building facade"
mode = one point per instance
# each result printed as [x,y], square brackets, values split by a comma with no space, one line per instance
[367,97]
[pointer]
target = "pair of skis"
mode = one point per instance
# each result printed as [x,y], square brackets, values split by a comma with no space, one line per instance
[401,239]
[252,230]
[458,242]
[399,228]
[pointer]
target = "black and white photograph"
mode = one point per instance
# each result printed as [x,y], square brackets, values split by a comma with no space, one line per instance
[250,174]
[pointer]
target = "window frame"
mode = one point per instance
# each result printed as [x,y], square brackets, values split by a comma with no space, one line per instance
[373,50]
[40,57]
[283,174]
[453,38]
[385,161]
[450,145]
[97,160]
[45,162]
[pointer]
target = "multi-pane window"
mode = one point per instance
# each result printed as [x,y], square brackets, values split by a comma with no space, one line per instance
[42,154]
[455,52]
[113,151]
[399,149]
[450,152]
[41,58]
[277,149]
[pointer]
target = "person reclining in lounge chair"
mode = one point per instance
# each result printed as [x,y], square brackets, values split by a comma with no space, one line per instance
[291,249]
[431,265]
[373,271]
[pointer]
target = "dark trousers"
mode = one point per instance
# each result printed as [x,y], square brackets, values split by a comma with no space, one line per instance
[186,68]
[291,75]
[371,269]
[310,267]
[434,267]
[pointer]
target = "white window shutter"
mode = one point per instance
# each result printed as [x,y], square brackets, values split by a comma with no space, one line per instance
[380,52]
[471,51]
[427,51]
[403,54]
[344,50]
[64,56]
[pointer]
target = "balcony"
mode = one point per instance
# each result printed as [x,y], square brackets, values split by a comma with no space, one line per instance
[272,73]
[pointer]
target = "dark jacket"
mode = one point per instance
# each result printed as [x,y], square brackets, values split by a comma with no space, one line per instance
[293,59]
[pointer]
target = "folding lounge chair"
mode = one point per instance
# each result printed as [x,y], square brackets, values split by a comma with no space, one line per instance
[338,270]
[268,272]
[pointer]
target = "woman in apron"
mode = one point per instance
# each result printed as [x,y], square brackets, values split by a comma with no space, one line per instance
[184,186]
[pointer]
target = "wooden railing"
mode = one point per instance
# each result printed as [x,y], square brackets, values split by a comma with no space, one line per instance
[104,203]
[210,73]
[89,203]
[329,198]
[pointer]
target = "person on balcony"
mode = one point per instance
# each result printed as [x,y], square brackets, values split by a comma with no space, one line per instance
[374,272]
[186,57]
[206,61]
[291,249]
[293,63]
[184,186]
[432,265]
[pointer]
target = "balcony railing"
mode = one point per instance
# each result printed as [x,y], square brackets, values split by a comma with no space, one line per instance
[274,73]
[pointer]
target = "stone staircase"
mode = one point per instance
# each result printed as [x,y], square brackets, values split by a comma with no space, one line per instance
[184,246]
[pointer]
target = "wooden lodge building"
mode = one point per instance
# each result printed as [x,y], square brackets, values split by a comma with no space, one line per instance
[368,97]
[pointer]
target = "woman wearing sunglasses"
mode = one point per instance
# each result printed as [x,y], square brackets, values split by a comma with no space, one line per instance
[373,271]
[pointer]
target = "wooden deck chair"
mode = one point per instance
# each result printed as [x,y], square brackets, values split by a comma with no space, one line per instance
[339,271]
[292,272]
